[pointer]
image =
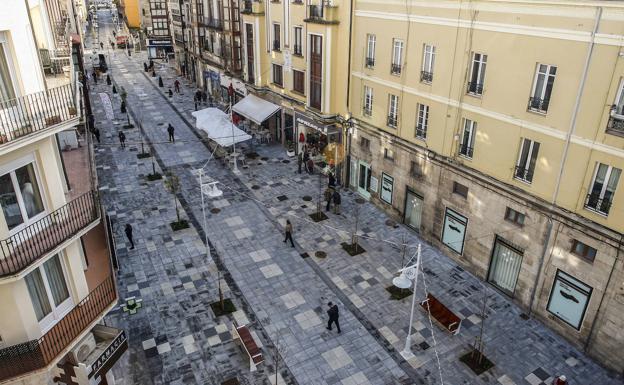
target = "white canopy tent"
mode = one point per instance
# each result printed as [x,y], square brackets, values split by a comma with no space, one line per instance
[219,127]
[255,109]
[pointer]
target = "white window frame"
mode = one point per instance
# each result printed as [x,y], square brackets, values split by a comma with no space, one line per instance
[618,103]
[10,168]
[542,92]
[371,40]
[368,101]
[603,190]
[472,125]
[527,162]
[428,59]
[397,55]
[5,46]
[393,109]
[273,74]
[422,120]
[481,62]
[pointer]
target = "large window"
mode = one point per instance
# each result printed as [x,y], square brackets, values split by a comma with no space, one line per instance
[466,147]
[299,81]
[370,50]
[477,74]
[422,121]
[525,168]
[277,43]
[602,189]
[7,91]
[297,39]
[316,71]
[426,73]
[505,266]
[393,110]
[542,87]
[454,230]
[397,56]
[368,101]
[569,298]
[20,196]
[48,292]
[278,75]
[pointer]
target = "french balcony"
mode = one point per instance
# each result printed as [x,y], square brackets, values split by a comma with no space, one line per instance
[367,111]
[277,46]
[297,50]
[426,77]
[36,114]
[212,23]
[252,7]
[466,150]
[523,174]
[615,125]
[370,62]
[392,121]
[475,88]
[395,69]
[538,105]
[33,355]
[324,12]
[44,236]
[595,202]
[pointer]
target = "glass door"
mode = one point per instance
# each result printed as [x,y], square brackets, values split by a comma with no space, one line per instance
[364,176]
[413,210]
[505,266]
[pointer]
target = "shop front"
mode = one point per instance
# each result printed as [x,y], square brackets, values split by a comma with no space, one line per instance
[239,89]
[159,48]
[319,139]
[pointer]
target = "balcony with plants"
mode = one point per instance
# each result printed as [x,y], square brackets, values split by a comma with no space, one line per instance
[322,12]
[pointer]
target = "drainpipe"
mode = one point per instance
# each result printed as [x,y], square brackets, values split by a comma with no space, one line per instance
[604,293]
[564,156]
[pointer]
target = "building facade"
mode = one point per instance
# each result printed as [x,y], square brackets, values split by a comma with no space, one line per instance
[156,22]
[57,279]
[495,129]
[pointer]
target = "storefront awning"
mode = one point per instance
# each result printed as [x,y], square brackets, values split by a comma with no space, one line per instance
[255,109]
[219,127]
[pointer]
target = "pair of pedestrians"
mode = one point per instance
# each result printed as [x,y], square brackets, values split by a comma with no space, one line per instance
[332,195]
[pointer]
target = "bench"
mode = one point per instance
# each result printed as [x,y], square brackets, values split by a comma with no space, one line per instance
[442,314]
[248,345]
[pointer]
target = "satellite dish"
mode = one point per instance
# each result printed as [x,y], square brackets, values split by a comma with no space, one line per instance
[402,282]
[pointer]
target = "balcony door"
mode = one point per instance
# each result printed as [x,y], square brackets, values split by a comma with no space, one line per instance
[316,70]
[364,179]
[20,195]
[49,295]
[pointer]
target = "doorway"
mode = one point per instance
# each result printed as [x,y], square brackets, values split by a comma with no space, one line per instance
[364,177]
[412,214]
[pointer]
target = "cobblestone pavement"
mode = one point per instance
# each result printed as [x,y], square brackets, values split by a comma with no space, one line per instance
[286,292]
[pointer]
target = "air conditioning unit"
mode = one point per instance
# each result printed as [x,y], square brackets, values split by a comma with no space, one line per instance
[82,350]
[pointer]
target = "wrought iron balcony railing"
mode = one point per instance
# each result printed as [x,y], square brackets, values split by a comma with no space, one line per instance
[36,112]
[370,62]
[525,174]
[276,45]
[392,121]
[537,104]
[395,69]
[426,77]
[421,132]
[36,354]
[297,50]
[367,111]
[315,11]
[213,23]
[596,203]
[475,88]
[616,122]
[31,243]
[465,150]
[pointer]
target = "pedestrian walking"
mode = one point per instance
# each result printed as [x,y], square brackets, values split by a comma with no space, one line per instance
[310,165]
[128,231]
[160,82]
[204,96]
[112,45]
[108,80]
[332,180]
[96,133]
[176,85]
[333,314]
[151,64]
[95,76]
[101,45]
[288,233]
[299,161]
[337,200]
[328,197]
[122,139]
[145,67]
[170,93]
[170,131]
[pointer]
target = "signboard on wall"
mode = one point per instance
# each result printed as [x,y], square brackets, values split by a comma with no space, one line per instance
[568,299]
[454,230]
[387,186]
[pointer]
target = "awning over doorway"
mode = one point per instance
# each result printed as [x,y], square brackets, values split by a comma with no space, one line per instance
[255,109]
[219,127]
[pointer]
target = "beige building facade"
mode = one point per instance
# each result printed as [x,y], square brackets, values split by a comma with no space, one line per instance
[495,129]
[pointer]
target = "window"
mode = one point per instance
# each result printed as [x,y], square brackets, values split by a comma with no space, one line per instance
[365,143]
[466,146]
[526,160]
[48,291]
[277,75]
[460,189]
[277,44]
[454,230]
[370,50]
[618,107]
[542,87]
[569,298]
[416,169]
[422,120]
[477,74]
[20,197]
[388,154]
[387,187]
[7,91]
[514,216]
[397,56]
[368,101]
[426,74]
[297,47]
[584,251]
[299,81]
[393,110]
[316,71]
[505,266]
[602,189]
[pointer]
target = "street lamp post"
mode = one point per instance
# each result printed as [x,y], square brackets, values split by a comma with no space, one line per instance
[404,281]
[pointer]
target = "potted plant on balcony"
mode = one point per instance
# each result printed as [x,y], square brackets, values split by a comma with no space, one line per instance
[172,184]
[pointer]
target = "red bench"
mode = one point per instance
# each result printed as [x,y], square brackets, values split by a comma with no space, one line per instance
[441,314]
[249,346]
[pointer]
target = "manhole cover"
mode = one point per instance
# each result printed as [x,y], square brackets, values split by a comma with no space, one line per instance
[215,210]
[320,254]
[307,198]
[390,222]
[255,187]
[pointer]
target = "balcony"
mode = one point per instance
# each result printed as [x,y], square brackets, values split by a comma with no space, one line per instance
[392,121]
[42,237]
[252,7]
[297,50]
[426,77]
[324,13]
[40,112]
[395,69]
[523,174]
[615,125]
[538,105]
[37,354]
[475,88]
[370,62]
[367,111]
[595,202]
[466,150]
[213,23]
[277,46]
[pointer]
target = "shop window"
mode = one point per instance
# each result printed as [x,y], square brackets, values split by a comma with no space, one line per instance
[568,299]
[454,230]
[505,266]
[514,216]
[460,189]
[584,251]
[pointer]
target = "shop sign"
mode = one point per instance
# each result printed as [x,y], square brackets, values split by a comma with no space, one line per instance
[109,356]
[568,299]
[387,185]
[304,120]
[158,42]
[454,230]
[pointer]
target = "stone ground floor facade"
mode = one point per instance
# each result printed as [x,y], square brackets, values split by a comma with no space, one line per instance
[506,237]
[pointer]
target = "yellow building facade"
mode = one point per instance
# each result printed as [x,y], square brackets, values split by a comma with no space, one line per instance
[495,129]
[132,11]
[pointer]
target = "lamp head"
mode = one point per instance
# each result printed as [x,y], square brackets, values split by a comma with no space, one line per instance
[402,282]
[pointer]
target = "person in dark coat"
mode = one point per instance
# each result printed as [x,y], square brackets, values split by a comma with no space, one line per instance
[95,76]
[328,197]
[288,233]
[122,139]
[145,67]
[332,180]
[299,161]
[108,80]
[96,133]
[170,93]
[204,96]
[337,200]
[128,231]
[160,82]
[151,64]
[333,314]
[170,131]
[176,86]
[310,165]
[101,45]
